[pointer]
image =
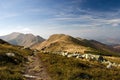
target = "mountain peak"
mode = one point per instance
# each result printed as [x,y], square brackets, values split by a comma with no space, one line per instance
[16,33]
[21,39]
[58,36]
[62,42]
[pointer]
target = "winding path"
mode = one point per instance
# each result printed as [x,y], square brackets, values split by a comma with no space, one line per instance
[34,69]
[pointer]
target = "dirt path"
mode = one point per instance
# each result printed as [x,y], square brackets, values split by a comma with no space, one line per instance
[34,70]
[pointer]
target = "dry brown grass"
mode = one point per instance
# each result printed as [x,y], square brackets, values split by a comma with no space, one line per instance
[113,59]
[11,67]
[62,68]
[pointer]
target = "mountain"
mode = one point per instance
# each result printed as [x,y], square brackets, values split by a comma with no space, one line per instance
[62,42]
[109,41]
[3,42]
[116,47]
[113,42]
[19,63]
[21,39]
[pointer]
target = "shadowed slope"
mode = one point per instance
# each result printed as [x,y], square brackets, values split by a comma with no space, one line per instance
[3,42]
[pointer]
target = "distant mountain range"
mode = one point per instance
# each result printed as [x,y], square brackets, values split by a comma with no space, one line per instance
[109,41]
[21,39]
[113,42]
[62,42]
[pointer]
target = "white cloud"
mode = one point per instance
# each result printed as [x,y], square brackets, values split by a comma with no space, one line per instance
[114,21]
[22,29]
[88,20]
[115,24]
[26,30]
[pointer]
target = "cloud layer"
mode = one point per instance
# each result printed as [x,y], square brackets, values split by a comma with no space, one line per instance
[82,18]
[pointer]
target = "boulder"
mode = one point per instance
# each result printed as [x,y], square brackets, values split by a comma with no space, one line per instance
[10,54]
[109,66]
[88,56]
[100,58]
[78,56]
[118,65]
[64,53]
[114,64]
[70,55]
[73,55]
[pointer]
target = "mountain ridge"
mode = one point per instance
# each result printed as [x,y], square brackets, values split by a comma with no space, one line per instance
[62,42]
[21,39]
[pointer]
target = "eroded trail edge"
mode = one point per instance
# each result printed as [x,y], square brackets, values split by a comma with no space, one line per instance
[34,69]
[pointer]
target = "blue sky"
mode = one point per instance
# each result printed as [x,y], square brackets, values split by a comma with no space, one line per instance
[79,18]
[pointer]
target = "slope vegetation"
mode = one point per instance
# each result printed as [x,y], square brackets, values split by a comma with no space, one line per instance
[12,59]
[62,42]
[63,68]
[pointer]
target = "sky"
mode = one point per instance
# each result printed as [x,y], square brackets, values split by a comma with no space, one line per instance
[79,18]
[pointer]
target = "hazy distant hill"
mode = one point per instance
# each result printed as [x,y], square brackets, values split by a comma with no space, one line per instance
[62,42]
[109,41]
[117,47]
[113,42]
[21,39]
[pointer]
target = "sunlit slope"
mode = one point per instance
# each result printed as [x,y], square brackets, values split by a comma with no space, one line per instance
[62,42]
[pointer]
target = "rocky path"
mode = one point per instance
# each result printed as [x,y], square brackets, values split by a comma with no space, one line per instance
[34,70]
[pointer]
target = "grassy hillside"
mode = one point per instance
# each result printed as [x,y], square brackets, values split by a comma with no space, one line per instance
[59,68]
[62,42]
[62,68]
[11,67]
